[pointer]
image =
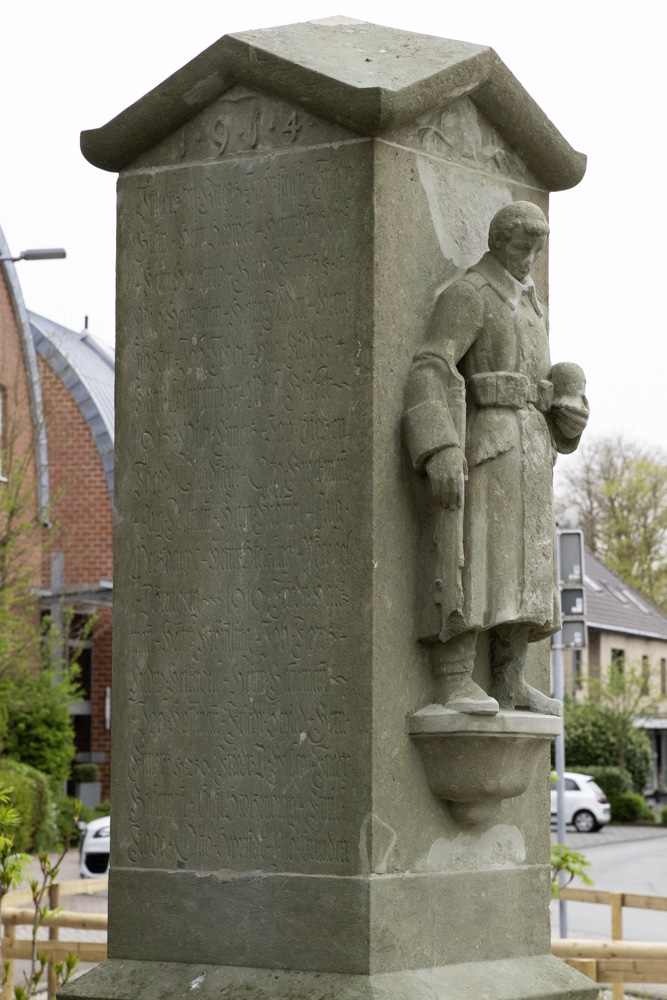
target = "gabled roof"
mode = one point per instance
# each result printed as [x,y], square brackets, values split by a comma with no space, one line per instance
[365,77]
[87,371]
[612,604]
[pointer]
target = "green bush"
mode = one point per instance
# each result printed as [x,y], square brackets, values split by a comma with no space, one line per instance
[86,772]
[630,807]
[101,809]
[39,728]
[32,796]
[66,811]
[611,780]
[590,741]
[663,816]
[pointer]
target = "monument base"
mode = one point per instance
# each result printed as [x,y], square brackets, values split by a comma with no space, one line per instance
[540,977]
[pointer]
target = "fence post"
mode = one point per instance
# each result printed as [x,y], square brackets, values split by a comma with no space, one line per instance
[8,988]
[586,966]
[54,933]
[617,989]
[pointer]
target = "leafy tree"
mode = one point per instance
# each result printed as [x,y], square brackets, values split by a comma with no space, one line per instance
[37,683]
[623,698]
[634,534]
[619,490]
[600,730]
[39,727]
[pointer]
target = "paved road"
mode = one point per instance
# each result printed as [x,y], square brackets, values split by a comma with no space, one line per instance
[623,859]
[612,834]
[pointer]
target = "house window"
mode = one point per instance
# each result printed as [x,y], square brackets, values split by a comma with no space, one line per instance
[663,675]
[645,674]
[617,663]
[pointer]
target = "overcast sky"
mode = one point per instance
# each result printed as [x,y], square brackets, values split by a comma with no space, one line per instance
[596,68]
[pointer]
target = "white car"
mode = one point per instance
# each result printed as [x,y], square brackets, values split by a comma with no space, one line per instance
[94,848]
[586,805]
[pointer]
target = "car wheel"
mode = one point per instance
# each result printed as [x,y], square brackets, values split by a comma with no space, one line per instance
[585,822]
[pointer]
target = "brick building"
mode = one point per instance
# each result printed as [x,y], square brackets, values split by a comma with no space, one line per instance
[56,405]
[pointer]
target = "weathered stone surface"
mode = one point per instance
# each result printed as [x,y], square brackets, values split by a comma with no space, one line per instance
[365,77]
[537,978]
[243,512]
[276,270]
[350,925]
[243,120]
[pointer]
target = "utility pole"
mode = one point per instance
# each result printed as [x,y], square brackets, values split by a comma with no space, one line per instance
[570,552]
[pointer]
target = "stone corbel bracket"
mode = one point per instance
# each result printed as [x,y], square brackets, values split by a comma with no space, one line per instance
[473,762]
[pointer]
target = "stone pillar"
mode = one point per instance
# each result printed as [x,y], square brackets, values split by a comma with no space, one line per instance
[289,204]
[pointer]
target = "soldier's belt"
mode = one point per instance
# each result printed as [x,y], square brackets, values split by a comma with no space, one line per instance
[510,389]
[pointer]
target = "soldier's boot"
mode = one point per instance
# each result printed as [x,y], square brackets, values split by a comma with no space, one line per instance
[452,664]
[507,652]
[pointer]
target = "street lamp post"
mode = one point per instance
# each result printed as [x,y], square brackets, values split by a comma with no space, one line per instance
[52,253]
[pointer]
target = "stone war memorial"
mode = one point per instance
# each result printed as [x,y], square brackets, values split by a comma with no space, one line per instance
[337,421]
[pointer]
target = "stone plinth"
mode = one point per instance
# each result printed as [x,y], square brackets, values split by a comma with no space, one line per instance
[289,205]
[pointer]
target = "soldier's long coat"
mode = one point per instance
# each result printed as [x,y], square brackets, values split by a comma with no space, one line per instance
[487,322]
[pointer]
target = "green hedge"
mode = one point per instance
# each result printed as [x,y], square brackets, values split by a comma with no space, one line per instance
[611,780]
[33,797]
[629,807]
[66,809]
[86,772]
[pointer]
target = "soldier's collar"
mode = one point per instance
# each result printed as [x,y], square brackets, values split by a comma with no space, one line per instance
[505,284]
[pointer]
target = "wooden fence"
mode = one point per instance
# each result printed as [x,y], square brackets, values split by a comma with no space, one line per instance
[15,912]
[615,961]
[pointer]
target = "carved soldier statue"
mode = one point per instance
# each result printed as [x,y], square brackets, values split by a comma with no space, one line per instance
[486,414]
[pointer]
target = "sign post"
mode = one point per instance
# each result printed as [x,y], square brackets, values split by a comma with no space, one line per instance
[570,549]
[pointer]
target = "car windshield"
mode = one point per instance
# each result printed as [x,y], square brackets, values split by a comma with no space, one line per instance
[594,787]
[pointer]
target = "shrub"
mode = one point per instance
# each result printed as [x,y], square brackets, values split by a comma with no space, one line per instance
[611,780]
[590,741]
[663,816]
[39,730]
[86,772]
[630,807]
[639,759]
[32,797]
[66,811]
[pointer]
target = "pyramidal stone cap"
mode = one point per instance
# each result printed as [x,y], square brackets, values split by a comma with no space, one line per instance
[365,77]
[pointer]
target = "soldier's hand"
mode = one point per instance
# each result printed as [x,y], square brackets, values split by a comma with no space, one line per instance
[571,420]
[446,471]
